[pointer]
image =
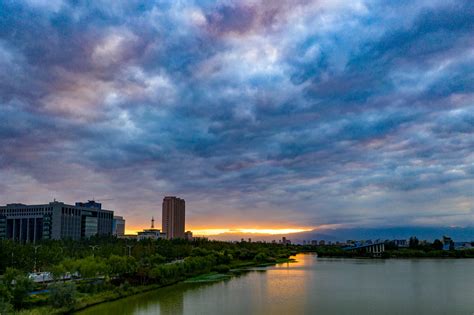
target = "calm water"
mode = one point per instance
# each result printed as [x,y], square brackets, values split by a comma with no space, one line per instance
[320,286]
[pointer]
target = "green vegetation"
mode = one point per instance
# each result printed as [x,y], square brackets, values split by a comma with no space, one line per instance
[210,277]
[415,249]
[101,269]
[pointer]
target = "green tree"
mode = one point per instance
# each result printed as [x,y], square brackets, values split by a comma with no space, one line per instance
[91,267]
[18,284]
[62,294]
[58,271]
[5,297]
[437,244]
[413,242]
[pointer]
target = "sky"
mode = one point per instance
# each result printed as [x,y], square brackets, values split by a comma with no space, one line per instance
[263,115]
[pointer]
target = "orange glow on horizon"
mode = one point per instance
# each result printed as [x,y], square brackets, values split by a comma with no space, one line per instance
[217,231]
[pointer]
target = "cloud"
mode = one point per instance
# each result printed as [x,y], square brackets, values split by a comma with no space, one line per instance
[270,113]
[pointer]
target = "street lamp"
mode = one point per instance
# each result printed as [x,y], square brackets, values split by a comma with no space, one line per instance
[36,250]
[129,250]
[94,247]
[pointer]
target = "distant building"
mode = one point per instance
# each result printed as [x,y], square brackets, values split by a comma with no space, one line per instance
[151,233]
[188,235]
[448,243]
[401,243]
[284,241]
[55,220]
[314,242]
[250,240]
[118,226]
[173,217]
[322,243]
[462,245]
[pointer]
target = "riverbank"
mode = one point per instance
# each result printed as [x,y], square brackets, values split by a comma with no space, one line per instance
[318,286]
[332,251]
[88,300]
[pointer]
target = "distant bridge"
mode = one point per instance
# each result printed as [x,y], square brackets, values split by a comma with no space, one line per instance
[375,249]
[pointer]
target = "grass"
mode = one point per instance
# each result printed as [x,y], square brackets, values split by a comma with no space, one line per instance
[209,277]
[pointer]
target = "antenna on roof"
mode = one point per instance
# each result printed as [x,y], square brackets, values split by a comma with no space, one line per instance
[152,222]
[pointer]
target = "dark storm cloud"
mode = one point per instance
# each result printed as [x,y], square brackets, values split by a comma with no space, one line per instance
[310,112]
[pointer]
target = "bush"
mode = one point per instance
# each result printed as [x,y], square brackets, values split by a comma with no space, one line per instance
[221,268]
[261,257]
[5,307]
[62,294]
[18,285]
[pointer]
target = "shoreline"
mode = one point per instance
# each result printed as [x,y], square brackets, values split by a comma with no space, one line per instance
[111,296]
[92,300]
[205,276]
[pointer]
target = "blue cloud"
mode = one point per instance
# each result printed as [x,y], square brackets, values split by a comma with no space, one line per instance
[301,113]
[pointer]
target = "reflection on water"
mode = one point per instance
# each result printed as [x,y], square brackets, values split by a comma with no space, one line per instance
[319,286]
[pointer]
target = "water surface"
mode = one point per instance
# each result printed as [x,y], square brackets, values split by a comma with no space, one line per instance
[319,286]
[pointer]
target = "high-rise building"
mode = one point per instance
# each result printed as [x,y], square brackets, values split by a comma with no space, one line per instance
[188,235]
[173,217]
[56,220]
[118,226]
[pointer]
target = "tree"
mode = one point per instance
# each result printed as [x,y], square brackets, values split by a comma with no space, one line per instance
[62,294]
[390,245]
[437,244]
[18,284]
[413,242]
[91,267]
[5,307]
[58,271]
[5,297]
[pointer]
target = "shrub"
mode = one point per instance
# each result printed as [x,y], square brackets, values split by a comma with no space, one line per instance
[221,268]
[5,307]
[62,294]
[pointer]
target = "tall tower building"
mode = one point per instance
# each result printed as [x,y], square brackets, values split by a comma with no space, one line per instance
[173,217]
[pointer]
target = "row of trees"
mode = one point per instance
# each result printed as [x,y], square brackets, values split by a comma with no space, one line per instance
[102,264]
[45,254]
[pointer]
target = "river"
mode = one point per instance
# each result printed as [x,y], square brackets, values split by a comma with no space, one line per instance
[315,285]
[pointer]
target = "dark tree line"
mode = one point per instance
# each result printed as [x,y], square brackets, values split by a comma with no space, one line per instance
[106,264]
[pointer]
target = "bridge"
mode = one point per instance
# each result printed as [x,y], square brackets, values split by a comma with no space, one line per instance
[375,249]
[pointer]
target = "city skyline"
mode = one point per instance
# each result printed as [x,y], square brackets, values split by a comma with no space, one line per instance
[265,117]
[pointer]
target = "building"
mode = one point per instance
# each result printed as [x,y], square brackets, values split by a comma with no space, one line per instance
[448,243]
[401,243]
[284,241]
[151,233]
[188,235]
[462,245]
[55,220]
[173,217]
[118,226]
